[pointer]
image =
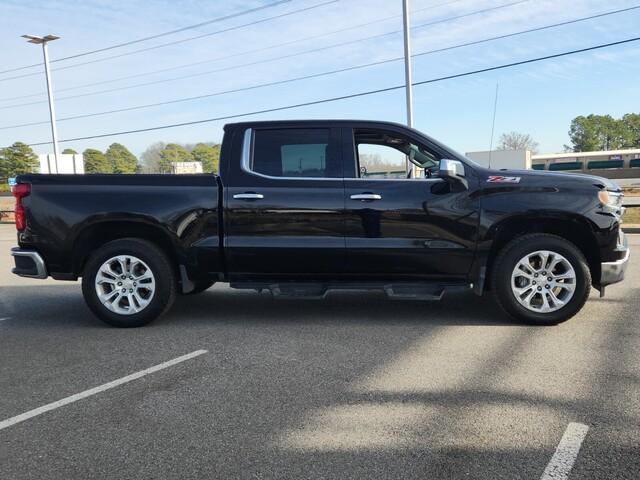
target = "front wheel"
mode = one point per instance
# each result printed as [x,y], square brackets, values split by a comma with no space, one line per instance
[128,283]
[541,279]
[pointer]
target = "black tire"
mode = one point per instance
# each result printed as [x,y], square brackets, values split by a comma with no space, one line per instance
[200,287]
[506,262]
[164,277]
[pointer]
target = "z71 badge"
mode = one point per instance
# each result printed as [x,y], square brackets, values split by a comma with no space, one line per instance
[501,179]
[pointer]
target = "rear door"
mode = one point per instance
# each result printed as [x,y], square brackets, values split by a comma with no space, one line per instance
[284,209]
[400,228]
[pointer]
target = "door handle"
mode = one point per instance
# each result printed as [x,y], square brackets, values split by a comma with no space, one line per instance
[248,196]
[366,196]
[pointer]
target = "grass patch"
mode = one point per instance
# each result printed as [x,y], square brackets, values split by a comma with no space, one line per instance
[632,216]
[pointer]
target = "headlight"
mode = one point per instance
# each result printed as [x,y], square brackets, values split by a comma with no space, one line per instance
[611,200]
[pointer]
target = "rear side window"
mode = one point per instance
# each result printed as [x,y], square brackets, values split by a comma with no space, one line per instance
[295,153]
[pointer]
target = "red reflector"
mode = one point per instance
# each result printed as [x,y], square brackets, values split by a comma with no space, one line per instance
[20,191]
[21,221]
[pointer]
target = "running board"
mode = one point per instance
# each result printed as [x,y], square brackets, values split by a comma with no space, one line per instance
[399,291]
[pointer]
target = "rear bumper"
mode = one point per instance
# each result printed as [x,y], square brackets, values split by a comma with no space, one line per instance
[28,263]
[613,272]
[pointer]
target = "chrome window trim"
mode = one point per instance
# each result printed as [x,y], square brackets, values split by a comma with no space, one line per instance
[247,156]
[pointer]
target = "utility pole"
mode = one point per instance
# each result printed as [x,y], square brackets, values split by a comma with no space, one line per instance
[52,112]
[406,21]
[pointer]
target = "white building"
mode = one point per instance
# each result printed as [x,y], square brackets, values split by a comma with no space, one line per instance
[67,163]
[511,159]
[187,167]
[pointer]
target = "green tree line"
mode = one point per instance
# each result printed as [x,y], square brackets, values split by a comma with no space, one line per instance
[603,132]
[158,158]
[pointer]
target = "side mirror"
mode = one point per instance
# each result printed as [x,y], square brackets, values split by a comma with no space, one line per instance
[452,171]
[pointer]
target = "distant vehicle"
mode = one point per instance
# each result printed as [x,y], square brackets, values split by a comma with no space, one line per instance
[303,207]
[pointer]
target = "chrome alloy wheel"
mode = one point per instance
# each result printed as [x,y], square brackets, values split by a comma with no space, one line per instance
[125,284]
[543,281]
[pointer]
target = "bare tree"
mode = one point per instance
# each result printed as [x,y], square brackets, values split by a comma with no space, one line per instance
[151,158]
[517,141]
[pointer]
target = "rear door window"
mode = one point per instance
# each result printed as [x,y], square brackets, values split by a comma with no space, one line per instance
[295,152]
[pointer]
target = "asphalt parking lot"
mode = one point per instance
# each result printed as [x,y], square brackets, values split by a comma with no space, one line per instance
[354,386]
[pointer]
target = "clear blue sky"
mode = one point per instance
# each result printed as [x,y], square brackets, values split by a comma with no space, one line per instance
[539,99]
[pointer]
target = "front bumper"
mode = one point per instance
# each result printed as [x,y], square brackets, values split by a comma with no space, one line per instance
[29,263]
[613,272]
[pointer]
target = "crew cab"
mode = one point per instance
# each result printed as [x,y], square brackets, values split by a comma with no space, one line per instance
[303,207]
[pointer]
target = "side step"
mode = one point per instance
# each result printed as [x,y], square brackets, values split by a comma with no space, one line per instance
[399,291]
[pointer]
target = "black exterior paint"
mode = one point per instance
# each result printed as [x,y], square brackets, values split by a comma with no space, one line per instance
[309,229]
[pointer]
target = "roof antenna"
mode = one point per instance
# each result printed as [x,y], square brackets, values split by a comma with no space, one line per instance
[493,124]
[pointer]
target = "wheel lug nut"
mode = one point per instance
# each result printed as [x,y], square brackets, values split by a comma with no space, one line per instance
[124,290]
[135,284]
[535,275]
[122,277]
[539,288]
[546,286]
[534,282]
[119,284]
[131,290]
[549,279]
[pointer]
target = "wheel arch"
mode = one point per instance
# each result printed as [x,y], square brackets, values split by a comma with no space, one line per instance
[573,228]
[97,234]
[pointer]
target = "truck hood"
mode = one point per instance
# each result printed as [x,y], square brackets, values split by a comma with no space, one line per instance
[551,178]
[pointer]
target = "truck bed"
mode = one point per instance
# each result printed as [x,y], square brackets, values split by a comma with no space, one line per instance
[79,211]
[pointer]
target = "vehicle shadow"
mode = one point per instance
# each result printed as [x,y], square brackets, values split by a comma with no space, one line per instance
[63,304]
[226,304]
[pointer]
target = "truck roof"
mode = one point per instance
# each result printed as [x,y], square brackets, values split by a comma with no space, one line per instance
[263,123]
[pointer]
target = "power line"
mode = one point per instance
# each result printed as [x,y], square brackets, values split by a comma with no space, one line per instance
[353,95]
[321,74]
[235,55]
[176,42]
[152,37]
[268,60]
[214,94]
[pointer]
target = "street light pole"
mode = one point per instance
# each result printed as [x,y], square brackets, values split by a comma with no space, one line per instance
[52,111]
[407,71]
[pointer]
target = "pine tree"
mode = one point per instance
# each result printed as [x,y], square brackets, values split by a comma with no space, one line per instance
[16,159]
[121,159]
[173,153]
[208,155]
[96,162]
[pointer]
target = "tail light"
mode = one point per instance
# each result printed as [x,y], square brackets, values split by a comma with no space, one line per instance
[20,191]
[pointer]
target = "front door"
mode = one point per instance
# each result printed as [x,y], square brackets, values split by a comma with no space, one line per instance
[400,228]
[285,205]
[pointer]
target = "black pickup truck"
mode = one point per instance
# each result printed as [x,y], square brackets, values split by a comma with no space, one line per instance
[302,207]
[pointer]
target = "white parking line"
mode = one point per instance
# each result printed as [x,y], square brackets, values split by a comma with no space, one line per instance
[4,318]
[562,461]
[87,393]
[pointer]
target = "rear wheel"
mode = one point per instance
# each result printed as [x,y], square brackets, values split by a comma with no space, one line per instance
[541,279]
[128,283]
